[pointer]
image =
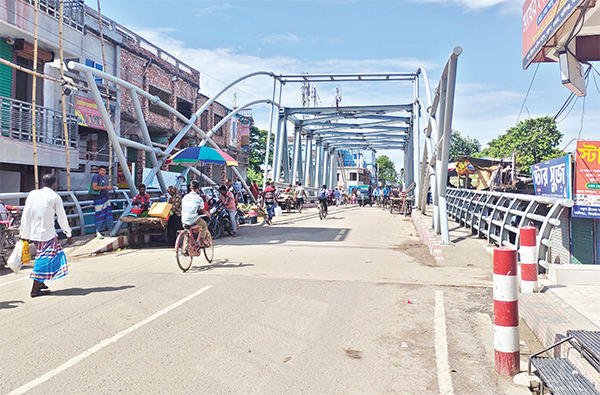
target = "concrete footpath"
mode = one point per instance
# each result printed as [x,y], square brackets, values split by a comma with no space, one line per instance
[548,314]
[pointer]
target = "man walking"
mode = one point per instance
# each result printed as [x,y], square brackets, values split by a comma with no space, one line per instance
[300,195]
[102,208]
[269,198]
[37,225]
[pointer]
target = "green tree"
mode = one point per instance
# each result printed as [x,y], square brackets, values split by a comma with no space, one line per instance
[462,146]
[533,140]
[387,170]
[258,147]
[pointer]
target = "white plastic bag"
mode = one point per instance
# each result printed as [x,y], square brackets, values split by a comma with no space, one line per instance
[14,261]
[278,211]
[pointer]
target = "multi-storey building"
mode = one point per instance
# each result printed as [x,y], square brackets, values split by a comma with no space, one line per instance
[127,56]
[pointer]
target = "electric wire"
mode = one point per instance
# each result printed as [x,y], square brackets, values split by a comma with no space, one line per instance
[527,94]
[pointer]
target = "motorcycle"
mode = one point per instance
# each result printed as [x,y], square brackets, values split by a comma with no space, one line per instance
[220,221]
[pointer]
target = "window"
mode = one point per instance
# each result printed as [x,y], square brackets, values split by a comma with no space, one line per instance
[353,177]
[163,96]
[184,107]
[97,66]
[216,119]
[204,121]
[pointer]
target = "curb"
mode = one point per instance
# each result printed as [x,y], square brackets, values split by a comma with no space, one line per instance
[435,249]
[119,242]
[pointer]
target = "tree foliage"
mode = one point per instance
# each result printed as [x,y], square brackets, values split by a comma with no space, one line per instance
[258,147]
[387,170]
[462,146]
[533,140]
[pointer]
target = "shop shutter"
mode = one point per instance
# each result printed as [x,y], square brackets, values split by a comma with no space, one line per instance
[583,240]
[560,250]
[5,71]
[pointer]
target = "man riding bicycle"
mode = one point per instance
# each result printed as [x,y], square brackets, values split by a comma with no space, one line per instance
[191,205]
[322,196]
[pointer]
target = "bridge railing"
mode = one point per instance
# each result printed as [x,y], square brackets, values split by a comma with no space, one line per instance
[498,216]
[79,206]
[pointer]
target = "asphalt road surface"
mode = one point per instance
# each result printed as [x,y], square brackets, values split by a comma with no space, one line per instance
[352,304]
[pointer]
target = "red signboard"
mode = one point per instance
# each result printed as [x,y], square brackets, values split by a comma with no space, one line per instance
[121,180]
[87,113]
[541,20]
[587,180]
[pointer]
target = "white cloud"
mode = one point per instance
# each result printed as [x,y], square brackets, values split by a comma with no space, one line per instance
[282,38]
[212,9]
[510,5]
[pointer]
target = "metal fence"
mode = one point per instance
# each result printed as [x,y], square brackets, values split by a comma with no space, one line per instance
[72,11]
[79,206]
[15,122]
[498,216]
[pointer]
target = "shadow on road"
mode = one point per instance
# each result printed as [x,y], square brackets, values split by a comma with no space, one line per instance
[11,304]
[87,291]
[217,263]
[280,235]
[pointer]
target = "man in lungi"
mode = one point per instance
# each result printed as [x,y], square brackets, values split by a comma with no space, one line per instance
[37,225]
[102,208]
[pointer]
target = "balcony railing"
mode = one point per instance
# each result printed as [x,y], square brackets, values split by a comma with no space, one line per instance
[72,11]
[15,122]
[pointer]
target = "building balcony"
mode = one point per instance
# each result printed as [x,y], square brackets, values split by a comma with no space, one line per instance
[17,135]
[73,11]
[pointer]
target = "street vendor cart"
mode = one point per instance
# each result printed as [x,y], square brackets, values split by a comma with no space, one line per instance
[139,227]
[287,201]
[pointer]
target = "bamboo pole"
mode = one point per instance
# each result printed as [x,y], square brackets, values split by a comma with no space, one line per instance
[33,97]
[62,93]
[110,147]
[40,75]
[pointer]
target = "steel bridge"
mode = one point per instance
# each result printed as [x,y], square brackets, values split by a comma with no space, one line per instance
[307,141]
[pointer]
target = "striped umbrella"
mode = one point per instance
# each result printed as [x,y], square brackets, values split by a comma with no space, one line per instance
[193,155]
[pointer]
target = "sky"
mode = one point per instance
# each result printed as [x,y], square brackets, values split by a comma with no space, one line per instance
[225,40]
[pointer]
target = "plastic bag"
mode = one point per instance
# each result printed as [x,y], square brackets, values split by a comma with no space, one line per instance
[26,255]
[14,261]
[278,211]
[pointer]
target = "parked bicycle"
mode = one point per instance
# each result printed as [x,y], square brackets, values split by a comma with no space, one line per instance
[189,245]
[10,220]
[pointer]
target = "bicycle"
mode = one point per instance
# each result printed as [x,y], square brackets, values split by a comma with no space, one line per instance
[322,210]
[10,220]
[188,246]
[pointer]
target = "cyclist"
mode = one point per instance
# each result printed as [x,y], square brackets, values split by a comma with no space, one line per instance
[322,196]
[191,205]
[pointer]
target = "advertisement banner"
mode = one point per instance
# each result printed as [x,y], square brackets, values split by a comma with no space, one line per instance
[587,180]
[87,113]
[552,178]
[121,181]
[541,19]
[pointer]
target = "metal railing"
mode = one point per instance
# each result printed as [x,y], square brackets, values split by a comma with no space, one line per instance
[498,216]
[73,11]
[15,122]
[79,206]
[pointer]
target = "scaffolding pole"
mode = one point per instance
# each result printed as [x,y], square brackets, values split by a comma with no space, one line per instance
[62,92]
[110,146]
[33,96]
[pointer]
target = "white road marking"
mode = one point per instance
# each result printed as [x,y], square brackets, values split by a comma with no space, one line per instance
[14,281]
[441,346]
[102,344]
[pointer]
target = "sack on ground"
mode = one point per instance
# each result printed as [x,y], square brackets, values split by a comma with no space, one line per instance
[278,211]
[14,261]
[26,254]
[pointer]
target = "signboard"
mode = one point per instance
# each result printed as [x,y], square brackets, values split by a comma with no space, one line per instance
[541,20]
[587,180]
[87,113]
[233,133]
[121,181]
[552,178]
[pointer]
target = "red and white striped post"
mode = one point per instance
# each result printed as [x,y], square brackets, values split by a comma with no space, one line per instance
[528,259]
[506,312]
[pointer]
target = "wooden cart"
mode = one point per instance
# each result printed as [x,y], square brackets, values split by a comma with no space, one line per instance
[145,226]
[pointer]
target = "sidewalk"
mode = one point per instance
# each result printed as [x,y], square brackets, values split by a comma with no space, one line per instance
[548,313]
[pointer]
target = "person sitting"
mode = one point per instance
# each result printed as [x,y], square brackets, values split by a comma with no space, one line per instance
[228,201]
[142,199]
[322,196]
[288,189]
[191,205]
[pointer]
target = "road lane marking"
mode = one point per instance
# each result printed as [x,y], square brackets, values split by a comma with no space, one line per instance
[102,344]
[441,346]
[14,281]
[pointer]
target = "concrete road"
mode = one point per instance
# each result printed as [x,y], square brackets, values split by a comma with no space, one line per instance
[352,304]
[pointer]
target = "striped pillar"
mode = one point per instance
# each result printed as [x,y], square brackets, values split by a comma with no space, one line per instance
[528,259]
[506,312]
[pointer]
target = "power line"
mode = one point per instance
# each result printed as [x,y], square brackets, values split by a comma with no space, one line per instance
[527,94]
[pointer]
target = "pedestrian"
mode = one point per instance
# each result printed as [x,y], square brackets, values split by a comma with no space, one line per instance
[102,208]
[269,199]
[142,199]
[337,195]
[174,223]
[37,225]
[300,195]
[229,202]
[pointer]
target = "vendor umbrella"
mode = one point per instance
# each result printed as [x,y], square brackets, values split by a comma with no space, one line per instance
[193,155]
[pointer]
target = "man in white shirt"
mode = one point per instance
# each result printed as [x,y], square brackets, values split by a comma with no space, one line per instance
[191,205]
[37,225]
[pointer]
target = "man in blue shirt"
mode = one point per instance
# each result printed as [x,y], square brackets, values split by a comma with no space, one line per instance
[191,205]
[322,196]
